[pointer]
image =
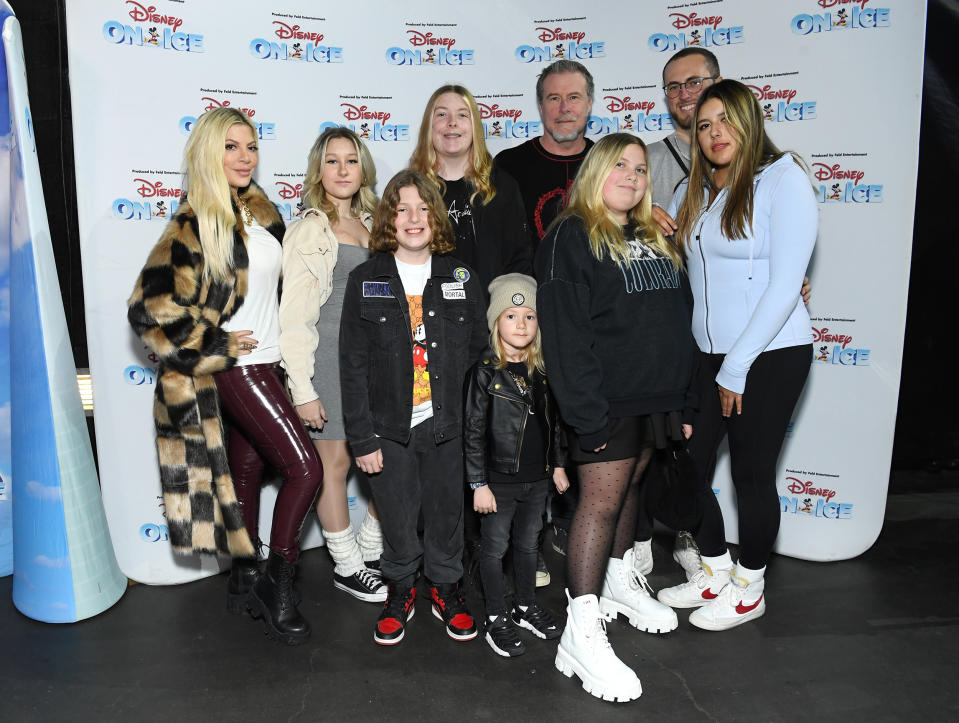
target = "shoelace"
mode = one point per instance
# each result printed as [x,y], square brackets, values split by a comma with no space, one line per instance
[396,602]
[505,632]
[451,604]
[597,636]
[538,617]
[690,546]
[637,581]
[369,580]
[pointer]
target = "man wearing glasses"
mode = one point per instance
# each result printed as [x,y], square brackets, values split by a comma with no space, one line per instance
[685,76]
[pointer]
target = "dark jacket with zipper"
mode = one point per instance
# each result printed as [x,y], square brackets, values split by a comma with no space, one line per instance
[376,349]
[501,242]
[495,420]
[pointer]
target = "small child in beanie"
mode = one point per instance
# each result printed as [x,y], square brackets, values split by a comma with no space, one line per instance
[514,447]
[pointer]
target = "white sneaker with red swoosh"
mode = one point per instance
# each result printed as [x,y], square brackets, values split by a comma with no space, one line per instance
[704,587]
[738,603]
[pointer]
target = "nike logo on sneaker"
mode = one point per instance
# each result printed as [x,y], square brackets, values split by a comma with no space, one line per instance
[743,609]
[709,594]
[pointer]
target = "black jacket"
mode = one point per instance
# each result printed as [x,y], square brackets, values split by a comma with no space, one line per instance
[502,242]
[495,420]
[376,349]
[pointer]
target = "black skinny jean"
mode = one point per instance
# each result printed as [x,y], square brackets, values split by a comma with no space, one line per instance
[519,505]
[773,386]
[264,428]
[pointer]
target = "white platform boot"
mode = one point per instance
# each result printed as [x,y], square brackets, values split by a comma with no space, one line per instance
[585,650]
[626,592]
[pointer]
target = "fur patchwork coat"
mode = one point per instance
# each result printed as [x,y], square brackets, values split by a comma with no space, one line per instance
[178,312]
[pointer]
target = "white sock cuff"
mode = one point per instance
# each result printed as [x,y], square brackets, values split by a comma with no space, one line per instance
[345,552]
[722,562]
[750,576]
[370,538]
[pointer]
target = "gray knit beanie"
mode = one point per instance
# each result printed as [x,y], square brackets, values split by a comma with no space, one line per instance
[507,291]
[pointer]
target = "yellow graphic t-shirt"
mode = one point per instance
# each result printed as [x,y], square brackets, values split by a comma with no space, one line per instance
[421,373]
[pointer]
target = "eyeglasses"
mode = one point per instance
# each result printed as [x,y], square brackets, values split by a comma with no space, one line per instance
[693,86]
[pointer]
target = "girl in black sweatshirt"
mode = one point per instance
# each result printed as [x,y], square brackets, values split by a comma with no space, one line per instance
[614,315]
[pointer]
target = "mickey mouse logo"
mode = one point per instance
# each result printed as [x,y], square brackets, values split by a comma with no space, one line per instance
[518,299]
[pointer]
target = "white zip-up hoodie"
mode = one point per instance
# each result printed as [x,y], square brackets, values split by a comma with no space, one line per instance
[746,291]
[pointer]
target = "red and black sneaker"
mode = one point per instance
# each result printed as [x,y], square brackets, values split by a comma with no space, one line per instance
[397,611]
[450,607]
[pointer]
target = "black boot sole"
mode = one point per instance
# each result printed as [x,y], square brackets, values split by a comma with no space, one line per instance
[238,603]
[258,609]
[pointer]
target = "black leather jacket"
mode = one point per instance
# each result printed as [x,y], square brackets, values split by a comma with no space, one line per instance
[495,420]
[376,349]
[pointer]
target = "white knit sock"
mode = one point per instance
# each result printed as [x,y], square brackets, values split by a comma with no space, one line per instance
[370,538]
[721,562]
[347,558]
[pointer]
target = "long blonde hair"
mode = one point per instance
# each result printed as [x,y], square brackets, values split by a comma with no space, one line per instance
[745,119]
[208,191]
[481,162]
[532,354]
[586,202]
[314,195]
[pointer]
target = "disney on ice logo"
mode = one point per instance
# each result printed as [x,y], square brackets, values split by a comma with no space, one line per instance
[831,348]
[370,123]
[158,30]
[212,103]
[812,500]
[290,191]
[840,18]
[265,130]
[636,117]
[559,43]
[151,532]
[695,30]
[778,104]
[504,122]
[843,185]
[305,46]
[428,48]
[162,204]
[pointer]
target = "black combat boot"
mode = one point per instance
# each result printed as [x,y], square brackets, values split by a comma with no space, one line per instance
[272,599]
[243,575]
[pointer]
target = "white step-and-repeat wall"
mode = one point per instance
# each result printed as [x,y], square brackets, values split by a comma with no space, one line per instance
[839,81]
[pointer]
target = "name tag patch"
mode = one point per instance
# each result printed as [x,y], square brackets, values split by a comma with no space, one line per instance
[454,293]
[452,285]
[377,290]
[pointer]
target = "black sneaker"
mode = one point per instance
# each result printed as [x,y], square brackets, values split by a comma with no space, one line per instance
[363,585]
[538,621]
[503,638]
[450,607]
[397,611]
[560,539]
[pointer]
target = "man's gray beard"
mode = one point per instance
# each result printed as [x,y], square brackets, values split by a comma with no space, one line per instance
[566,138]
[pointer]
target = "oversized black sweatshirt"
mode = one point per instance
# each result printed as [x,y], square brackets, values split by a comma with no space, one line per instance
[616,338]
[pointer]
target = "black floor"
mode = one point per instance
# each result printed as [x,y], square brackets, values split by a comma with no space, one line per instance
[871,639]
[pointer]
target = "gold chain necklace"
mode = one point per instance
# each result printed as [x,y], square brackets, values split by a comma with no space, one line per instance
[247,214]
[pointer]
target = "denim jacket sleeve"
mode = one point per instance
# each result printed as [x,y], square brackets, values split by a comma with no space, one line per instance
[354,373]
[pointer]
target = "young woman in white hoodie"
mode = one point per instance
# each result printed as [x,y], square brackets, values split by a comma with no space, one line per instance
[747,222]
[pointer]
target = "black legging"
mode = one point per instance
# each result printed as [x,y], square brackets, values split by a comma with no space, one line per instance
[264,428]
[756,436]
[605,520]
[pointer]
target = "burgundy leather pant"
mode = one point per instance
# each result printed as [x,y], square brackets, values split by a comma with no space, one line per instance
[264,427]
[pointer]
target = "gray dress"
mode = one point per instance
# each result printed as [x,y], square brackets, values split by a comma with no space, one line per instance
[326,364]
